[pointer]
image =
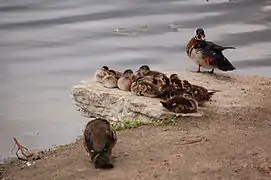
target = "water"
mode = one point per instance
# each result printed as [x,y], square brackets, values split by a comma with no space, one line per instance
[48,46]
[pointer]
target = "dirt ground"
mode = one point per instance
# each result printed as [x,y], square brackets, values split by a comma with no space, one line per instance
[228,142]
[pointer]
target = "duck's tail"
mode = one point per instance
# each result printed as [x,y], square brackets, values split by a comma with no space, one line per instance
[228,47]
[222,62]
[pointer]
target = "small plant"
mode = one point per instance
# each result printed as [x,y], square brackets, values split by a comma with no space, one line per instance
[172,118]
[127,124]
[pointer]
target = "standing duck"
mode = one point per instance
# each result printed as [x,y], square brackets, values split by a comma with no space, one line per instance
[200,93]
[180,104]
[143,87]
[207,54]
[99,139]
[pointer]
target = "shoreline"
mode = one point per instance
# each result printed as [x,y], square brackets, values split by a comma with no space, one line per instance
[243,115]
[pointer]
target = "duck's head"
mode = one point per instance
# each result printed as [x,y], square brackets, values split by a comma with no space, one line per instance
[105,68]
[128,73]
[200,34]
[144,69]
[174,76]
[112,72]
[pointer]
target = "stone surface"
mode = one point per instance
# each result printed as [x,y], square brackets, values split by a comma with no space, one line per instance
[94,100]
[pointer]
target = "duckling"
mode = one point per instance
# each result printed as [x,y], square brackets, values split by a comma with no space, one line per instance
[99,139]
[160,79]
[145,70]
[110,80]
[125,82]
[200,93]
[180,104]
[101,73]
[142,87]
[176,82]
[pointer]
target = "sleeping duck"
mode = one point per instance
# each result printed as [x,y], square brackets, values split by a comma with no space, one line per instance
[99,139]
[143,87]
[200,93]
[145,70]
[110,80]
[207,54]
[176,82]
[125,82]
[101,73]
[180,104]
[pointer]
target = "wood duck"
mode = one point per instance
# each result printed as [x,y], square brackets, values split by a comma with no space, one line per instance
[207,54]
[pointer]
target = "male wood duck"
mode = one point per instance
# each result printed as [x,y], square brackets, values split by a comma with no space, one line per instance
[207,54]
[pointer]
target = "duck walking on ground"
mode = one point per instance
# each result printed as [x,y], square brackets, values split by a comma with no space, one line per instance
[99,139]
[207,54]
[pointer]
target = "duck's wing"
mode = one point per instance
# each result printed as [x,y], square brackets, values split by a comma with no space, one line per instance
[212,46]
[218,60]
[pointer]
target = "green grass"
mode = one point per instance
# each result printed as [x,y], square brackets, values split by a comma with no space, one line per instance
[134,123]
[127,124]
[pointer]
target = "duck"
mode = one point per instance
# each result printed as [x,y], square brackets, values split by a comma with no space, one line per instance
[145,71]
[101,73]
[110,80]
[176,82]
[201,94]
[180,104]
[99,139]
[143,87]
[124,83]
[207,54]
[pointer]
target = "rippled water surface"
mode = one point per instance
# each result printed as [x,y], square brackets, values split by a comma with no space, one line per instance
[48,46]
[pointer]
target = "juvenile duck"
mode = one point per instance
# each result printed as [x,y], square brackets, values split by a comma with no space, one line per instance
[200,93]
[110,80]
[99,140]
[101,73]
[142,87]
[180,104]
[125,82]
[160,79]
[145,70]
[176,82]
[207,54]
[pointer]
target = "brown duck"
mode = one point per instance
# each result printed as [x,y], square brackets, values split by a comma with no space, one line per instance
[99,140]
[125,82]
[110,80]
[180,104]
[143,87]
[101,73]
[145,70]
[201,94]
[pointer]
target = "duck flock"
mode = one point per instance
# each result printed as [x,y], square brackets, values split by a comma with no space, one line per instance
[178,96]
